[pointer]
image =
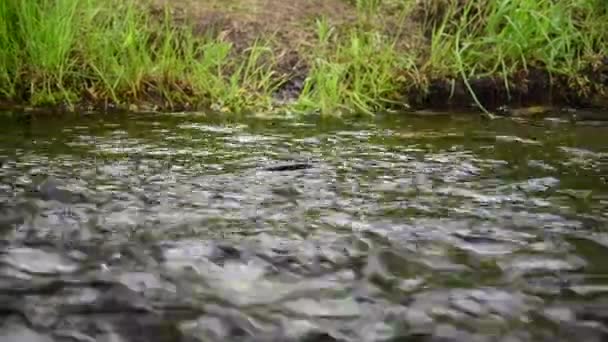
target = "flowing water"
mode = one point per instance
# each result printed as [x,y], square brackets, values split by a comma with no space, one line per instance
[189,228]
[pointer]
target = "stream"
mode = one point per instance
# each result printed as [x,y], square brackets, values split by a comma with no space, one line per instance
[185,227]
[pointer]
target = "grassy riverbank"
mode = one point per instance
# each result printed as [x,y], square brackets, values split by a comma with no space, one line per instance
[334,56]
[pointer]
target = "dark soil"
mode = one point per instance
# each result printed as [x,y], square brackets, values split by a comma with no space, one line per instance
[535,88]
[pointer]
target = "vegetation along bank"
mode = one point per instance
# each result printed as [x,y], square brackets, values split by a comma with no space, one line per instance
[326,56]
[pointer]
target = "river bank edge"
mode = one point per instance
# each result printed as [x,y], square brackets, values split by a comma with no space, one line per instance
[420,87]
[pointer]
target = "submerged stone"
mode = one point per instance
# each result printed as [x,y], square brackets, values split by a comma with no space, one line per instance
[37,261]
[13,331]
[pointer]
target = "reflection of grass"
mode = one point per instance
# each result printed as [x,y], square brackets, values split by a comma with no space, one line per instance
[504,37]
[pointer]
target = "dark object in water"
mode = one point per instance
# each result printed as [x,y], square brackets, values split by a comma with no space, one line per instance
[51,189]
[524,111]
[289,167]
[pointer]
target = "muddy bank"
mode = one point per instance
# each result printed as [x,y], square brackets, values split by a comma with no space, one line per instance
[535,88]
[538,96]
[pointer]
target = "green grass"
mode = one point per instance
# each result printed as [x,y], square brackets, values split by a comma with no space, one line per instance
[504,37]
[237,86]
[9,62]
[63,51]
[355,70]
[66,52]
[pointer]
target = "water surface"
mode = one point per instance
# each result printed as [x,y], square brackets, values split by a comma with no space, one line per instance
[190,228]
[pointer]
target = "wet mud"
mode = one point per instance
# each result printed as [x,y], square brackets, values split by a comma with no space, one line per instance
[533,88]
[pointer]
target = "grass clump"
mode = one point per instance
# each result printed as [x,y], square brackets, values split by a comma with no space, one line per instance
[506,37]
[9,62]
[37,41]
[352,71]
[234,85]
[117,52]
[124,57]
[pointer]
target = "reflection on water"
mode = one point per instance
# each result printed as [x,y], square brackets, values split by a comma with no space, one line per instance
[186,228]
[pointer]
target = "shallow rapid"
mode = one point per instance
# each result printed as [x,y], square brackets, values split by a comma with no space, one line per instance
[191,228]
